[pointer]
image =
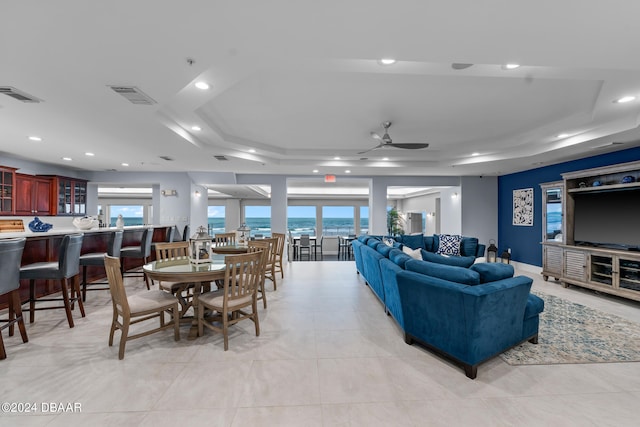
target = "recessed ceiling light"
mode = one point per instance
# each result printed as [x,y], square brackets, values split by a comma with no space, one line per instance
[196,128]
[511,66]
[124,164]
[252,150]
[564,135]
[624,99]
[385,158]
[475,154]
[202,85]
[316,171]
[89,154]
[347,171]
[35,138]
[336,158]
[67,159]
[387,61]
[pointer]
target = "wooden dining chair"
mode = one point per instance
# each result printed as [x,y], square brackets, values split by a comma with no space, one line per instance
[264,246]
[182,291]
[129,310]
[280,252]
[223,239]
[270,267]
[241,282]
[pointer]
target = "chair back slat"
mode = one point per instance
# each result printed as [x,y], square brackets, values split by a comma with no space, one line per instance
[242,275]
[223,239]
[172,250]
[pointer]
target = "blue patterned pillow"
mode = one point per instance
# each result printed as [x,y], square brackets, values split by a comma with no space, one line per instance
[449,244]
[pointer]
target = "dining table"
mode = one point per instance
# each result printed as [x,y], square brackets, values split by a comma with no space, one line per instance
[182,270]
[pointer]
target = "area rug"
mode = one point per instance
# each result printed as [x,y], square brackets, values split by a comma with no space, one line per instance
[573,333]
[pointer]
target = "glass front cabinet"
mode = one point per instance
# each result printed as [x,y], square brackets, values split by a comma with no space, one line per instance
[7,187]
[70,196]
[552,229]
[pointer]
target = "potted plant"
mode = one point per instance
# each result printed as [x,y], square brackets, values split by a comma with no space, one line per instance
[394,222]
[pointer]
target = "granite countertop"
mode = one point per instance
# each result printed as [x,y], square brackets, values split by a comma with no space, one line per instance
[70,230]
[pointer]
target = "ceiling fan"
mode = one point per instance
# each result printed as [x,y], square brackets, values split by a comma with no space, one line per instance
[386,141]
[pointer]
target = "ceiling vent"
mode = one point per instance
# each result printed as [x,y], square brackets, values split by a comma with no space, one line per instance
[18,94]
[221,158]
[133,95]
[167,158]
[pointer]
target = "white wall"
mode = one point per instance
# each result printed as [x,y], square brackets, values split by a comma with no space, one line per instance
[480,207]
[450,210]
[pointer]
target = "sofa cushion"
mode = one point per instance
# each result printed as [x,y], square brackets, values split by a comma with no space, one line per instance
[414,241]
[458,261]
[469,246]
[384,249]
[451,273]
[398,257]
[492,271]
[413,253]
[428,244]
[373,243]
[449,244]
[363,238]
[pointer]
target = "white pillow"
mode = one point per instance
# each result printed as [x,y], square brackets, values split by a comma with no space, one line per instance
[413,253]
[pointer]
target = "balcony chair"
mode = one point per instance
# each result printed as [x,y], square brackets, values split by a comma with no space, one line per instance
[304,244]
[67,267]
[241,282]
[128,310]
[141,251]
[10,256]
[97,259]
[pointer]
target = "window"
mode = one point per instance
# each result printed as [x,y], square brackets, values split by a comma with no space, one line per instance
[364,219]
[215,219]
[301,220]
[337,220]
[132,214]
[258,218]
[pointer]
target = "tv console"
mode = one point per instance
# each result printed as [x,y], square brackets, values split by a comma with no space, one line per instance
[606,266]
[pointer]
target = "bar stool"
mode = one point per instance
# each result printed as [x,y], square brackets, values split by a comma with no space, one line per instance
[185,233]
[168,238]
[10,256]
[97,259]
[67,267]
[143,250]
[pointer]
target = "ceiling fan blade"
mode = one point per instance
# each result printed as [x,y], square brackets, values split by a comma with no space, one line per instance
[409,145]
[376,136]
[374,148]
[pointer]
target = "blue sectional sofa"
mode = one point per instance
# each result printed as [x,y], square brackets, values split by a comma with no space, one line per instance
[467,314]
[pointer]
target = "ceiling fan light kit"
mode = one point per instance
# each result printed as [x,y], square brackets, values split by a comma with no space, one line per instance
[386,141]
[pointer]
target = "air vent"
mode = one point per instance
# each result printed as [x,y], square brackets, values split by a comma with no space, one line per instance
[167,158]
[18,94]
[221,158]
[133,95]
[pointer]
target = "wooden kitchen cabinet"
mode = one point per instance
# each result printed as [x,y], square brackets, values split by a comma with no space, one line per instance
[33,195]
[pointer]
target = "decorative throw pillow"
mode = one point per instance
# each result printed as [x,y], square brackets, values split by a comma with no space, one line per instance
[449,244]
[388,241]
[413,253]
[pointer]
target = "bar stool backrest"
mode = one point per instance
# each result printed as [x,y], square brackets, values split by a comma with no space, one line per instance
[69,257]
[10,257]
[115,243]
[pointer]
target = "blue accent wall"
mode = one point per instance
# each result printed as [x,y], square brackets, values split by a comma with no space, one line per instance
[524,241]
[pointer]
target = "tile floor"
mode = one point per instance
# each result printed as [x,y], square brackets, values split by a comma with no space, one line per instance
[327,356]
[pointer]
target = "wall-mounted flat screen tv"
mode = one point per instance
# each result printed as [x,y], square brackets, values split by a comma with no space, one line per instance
[608,219]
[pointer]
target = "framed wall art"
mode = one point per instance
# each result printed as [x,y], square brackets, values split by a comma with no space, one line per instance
[523,207]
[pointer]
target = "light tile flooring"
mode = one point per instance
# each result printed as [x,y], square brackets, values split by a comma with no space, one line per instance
[327,356]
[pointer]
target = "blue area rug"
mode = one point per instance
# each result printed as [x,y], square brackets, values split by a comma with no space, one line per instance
[573,333]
